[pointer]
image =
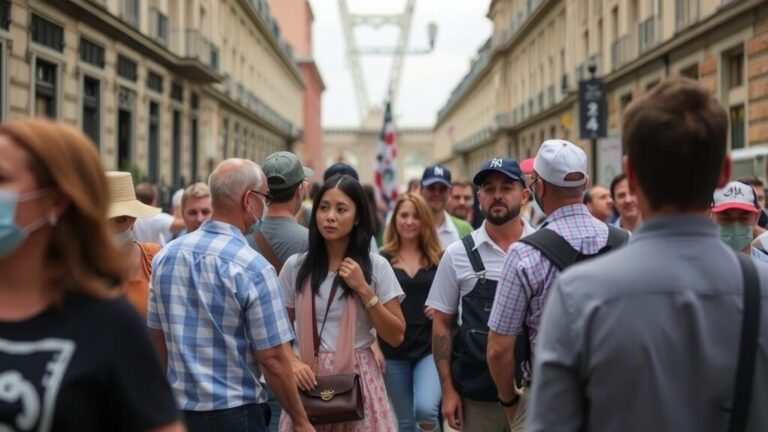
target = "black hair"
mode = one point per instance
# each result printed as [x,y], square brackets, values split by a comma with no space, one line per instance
[315,265]
[370,194]
[284,195]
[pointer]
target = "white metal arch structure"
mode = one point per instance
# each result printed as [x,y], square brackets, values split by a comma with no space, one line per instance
[401,20]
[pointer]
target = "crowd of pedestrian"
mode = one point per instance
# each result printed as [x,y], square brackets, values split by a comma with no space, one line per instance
[526,299]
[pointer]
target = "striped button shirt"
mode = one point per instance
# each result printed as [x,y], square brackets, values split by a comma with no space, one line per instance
[216,301]
[527,276]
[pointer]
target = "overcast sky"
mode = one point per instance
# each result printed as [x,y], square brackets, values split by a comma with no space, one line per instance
[427,80]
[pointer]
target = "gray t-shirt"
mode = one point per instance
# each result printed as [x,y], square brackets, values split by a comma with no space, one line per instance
[284,235]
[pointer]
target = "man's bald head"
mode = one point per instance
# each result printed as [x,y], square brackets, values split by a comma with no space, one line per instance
[231,179]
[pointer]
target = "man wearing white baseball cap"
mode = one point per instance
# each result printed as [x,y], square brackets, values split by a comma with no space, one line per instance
[558,184]
[735,209]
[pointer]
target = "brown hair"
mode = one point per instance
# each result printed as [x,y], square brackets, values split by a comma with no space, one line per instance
[428,240]
[146,193]
[461,182]
[81,255]
[615,183]
[676,138]
[753,181]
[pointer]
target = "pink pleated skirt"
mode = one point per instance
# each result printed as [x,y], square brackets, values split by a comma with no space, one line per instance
[378,416]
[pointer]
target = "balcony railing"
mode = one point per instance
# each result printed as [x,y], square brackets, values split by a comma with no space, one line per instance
[619,52]
[648,32]
[473,140]
[158,26]
[249,100]
[262,7]
[517,23]
[190,44]
[504,120]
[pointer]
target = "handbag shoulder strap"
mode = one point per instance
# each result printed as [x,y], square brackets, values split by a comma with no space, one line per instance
[267,251]
[315,334]
[745,367]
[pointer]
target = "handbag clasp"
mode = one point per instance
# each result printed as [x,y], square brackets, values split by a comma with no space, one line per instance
[327,394]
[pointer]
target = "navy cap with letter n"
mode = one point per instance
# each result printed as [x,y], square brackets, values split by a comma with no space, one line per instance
[436,174]
[508,167]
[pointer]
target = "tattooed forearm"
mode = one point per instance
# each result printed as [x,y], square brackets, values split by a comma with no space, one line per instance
[441,348]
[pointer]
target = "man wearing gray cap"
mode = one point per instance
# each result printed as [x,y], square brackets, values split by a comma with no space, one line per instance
[280,236]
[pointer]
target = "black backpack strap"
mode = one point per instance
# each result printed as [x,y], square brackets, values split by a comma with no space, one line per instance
[617,237]
[745,367]
[553,246]
[474,257]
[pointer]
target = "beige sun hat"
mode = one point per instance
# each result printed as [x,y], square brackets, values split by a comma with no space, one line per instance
[123,200]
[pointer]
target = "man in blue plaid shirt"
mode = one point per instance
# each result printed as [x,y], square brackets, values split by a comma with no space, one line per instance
[216,312]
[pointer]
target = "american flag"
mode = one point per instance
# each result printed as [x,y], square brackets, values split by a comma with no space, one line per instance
[386,161]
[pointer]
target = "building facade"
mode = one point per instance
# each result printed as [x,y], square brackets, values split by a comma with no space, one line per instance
[295,18]
[165,88]
[522,86]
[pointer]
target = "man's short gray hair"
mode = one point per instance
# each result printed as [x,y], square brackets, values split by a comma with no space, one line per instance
[231,179]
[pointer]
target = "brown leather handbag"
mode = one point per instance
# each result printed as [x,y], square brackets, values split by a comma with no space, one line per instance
[335,398]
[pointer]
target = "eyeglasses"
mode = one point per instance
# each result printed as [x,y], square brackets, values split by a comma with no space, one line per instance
[267,197]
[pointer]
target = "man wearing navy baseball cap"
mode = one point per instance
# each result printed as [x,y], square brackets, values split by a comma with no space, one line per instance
[468,390]
[435,184]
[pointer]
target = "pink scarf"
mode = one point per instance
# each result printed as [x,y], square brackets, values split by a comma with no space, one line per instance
[344,358]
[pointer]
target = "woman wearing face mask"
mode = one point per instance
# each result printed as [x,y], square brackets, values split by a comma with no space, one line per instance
[367,297]
[74,356]
[124,208]
[735,210]
[413,249]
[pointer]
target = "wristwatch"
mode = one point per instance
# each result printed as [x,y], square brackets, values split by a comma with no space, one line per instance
[510,403]
[372,302]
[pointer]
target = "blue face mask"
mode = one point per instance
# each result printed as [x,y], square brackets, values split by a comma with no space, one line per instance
[259,222]
[736,235]
[255,227]
[11,234]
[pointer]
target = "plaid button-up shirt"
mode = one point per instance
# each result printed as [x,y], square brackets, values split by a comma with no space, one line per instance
[217,301]
[527,276]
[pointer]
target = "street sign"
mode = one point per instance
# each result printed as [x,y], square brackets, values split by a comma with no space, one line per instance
[592,109]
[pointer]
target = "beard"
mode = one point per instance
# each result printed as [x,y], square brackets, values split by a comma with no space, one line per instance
[461,211]
[502,218]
